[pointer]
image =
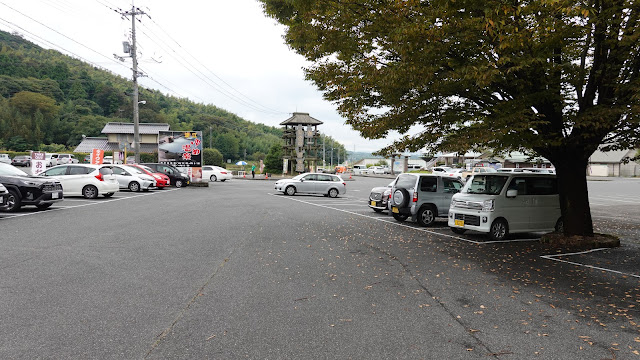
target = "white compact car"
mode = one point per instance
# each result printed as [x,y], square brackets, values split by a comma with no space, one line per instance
[503,203]
[215,173]
[132,178]
[84,180]
[4,158]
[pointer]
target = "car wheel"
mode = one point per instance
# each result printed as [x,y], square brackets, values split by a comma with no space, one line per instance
[499,230]
[400,217]
[426,215]
[14,201]
[179,183]
[90,192]
[108,195]
[134,186]
[213,178]
[333,193]
[400,197]
[377,210]
[43,206]
[458,231]
[559,226]
[290,190]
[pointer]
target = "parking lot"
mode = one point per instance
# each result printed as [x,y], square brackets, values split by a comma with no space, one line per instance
[238,270]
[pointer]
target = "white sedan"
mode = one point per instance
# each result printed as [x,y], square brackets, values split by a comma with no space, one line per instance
[132,178]
[215,173]
[84,179]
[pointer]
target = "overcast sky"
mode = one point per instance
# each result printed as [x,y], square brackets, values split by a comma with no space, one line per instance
[222,52]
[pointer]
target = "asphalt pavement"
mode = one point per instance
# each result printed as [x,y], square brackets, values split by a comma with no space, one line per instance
[236,270]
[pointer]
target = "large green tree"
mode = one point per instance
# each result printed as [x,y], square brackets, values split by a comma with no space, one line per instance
[556,78]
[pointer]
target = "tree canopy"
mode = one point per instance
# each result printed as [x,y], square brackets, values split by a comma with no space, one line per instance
[556,78]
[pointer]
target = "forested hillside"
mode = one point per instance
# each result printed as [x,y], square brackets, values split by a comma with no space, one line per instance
[49,100]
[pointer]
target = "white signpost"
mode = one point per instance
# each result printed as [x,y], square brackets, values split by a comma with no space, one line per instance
[38,162]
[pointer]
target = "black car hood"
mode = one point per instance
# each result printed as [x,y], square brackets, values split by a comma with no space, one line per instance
[20,179]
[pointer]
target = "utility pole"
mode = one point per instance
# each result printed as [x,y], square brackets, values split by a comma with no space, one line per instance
[324,163]
[136,113]
[332,154]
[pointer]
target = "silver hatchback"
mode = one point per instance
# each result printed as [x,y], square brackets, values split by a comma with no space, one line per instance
[313,183]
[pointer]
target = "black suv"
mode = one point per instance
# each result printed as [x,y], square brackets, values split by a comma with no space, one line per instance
[175,176]
[28,190]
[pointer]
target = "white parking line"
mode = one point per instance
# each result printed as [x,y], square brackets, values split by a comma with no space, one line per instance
[553,257]
[89,203]
[380,219]
[548,257]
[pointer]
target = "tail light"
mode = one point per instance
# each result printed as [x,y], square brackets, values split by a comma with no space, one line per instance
[344,183]
[415,196]
[99,177]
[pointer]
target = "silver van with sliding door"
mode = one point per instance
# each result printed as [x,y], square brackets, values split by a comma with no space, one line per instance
[502,203]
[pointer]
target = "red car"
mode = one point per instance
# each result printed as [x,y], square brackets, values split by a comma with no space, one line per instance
[162,180]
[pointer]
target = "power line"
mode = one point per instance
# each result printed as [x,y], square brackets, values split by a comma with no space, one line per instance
[200,75]
[59,33]
[214,74]
[53,45]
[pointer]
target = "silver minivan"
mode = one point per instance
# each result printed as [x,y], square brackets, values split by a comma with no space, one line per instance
[502,203]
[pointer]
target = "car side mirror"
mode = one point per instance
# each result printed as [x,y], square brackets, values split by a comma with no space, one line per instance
[301,180]
[512,193]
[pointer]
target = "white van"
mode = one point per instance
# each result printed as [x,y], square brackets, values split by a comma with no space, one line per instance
[502,203]
[359,169]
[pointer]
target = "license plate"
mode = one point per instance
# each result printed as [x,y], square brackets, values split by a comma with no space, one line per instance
[395,210]
[54,195]
[373,203]
[459,222]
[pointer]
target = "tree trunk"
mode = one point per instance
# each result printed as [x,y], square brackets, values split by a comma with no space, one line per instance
[574,196]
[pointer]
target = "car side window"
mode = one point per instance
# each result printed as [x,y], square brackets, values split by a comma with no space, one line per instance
[79,170]
[311,177]
[429,184]
[117,171]
[324,178]
[406,181]
[451,186]
[166,170]
[542,186]
[62,170]
[520,184]
[207,168]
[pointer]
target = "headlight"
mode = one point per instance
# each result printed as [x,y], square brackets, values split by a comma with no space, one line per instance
[488,205]
[30,183]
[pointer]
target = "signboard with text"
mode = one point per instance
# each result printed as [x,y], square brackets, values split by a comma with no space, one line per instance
[38,162]
[182,149]
[97,156]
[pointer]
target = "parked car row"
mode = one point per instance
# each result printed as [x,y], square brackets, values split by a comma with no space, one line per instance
[495,203]
[18,189]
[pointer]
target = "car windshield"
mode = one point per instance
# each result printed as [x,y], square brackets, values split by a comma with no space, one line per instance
[298,177]
[10,170]
[485,184]
[134,170]
[146,168]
